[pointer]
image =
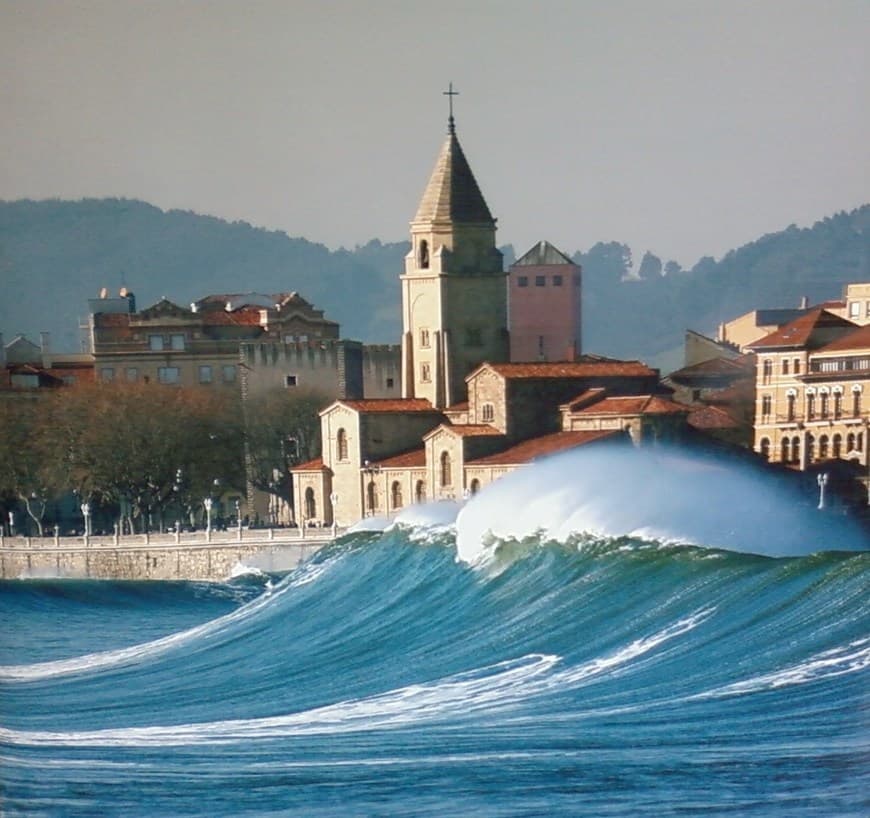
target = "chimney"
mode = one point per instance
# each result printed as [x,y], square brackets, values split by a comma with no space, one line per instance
[805,302]
[45,348]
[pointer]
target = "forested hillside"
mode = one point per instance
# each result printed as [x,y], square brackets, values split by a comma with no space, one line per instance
[54,255]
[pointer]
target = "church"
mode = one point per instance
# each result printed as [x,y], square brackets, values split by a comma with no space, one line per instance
[469,411]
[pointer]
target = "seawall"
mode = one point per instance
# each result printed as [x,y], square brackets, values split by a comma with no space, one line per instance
[197,556]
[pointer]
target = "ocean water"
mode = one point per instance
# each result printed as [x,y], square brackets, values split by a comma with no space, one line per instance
[440,667]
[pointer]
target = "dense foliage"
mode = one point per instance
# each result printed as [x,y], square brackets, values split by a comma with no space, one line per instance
[145,455]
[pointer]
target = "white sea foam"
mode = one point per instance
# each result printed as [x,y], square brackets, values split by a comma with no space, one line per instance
[659,493]
[839,661]
[486,689]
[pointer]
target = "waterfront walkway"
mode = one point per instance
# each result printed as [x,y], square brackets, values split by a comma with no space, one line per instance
[199,555]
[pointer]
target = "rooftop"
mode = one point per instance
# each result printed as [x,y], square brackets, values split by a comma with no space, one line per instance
[538,447]
[386,405]
[803,331]
[587,367]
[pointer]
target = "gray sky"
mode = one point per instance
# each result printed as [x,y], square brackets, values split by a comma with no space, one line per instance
[687,128]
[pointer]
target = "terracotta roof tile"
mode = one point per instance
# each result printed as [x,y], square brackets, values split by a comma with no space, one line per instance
[411,459]
[467,430]
[631,405]
[717,368]
[857,340]
[799,332]
[711,417]
[309,465]
[572,369]
[390,405]
[537,447]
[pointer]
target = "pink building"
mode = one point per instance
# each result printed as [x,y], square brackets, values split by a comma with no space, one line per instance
[544,306]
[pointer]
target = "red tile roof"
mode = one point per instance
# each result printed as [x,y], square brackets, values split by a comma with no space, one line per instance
[467,430]
[537,447]
[310,465]
[857,340]
[627,405]
[411,459]
[798,333]
[717,368]
[246,316]
[390,405]
[572,369]
[711,417]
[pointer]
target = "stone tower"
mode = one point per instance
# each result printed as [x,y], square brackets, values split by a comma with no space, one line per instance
[454,294]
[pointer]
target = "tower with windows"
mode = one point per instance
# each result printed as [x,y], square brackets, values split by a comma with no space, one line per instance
[454,299]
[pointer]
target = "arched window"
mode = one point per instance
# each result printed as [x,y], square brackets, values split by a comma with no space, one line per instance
[837,445]
[823,447]
[424,254]
[823,402]
[856,401]
[342,444]
[785,366]
[474,487]
[424,338]
[310,504]
[372,497]
[838,402]
[859,443]
[850,442]
[811,404]
[487,413]
[791,396]
[811,448]
[446,475]
[420,492]
[796,449]
[396,494]
[785,454]
[764,448]
[425,373]
[766,370]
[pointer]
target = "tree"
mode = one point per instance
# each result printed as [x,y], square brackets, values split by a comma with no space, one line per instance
[650,267]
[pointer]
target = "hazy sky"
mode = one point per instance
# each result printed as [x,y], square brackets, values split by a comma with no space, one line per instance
[687,128]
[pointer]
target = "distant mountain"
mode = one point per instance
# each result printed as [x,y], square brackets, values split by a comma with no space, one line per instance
[54,255]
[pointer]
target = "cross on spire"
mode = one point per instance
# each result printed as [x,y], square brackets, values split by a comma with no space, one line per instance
[450,93]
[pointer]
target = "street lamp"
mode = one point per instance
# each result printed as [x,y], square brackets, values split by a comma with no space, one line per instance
[822,480]
[86,513]
[208,503]
[333,498]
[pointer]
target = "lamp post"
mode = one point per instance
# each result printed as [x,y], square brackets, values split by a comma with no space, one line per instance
[208,503]
[333,498]
[822,480]
[86,513]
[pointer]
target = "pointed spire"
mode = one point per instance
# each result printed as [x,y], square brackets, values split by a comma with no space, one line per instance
[452,194]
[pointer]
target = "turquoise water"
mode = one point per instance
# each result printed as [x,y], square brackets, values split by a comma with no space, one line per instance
[593,677]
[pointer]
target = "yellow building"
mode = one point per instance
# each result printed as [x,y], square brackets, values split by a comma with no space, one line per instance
[812,388]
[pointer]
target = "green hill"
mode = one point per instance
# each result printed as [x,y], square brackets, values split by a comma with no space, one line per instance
[54,255]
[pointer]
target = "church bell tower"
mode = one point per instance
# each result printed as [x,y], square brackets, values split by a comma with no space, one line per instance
[454,294]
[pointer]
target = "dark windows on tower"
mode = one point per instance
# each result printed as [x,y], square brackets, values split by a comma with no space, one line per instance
[424,255]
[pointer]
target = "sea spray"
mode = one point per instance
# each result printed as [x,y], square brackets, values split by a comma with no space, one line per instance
[656,493]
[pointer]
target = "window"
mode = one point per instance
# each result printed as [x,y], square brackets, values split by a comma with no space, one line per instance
[785,366]
[205,374]
[811,448]
[155,343]
[176,341]
[132,374]
[446,476]
[420,492]
[424,338]
[424,254]
[425,373]
[765,407]
[557,281]
[764,448]
[310,504]
[867,308]
[811,405]
[341,444]
[795,449]
[390,383]
[473,337]
[522,281]
[228,372]
[823,447]
[487,413]
[475,486]
[290,381]
[766,370]
[837,445]
[823,403]
[855,309]
[396,494]
[856,401]
[540,281]
[372,497]
[838,402]
[107,374]
[168,374]
[785,455]
[790,397]
[797,366]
